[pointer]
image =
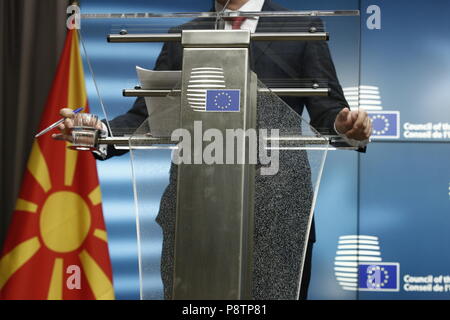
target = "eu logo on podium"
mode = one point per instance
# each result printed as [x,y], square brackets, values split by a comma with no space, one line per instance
[223,100]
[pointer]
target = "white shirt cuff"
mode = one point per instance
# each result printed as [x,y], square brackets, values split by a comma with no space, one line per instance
[102,150]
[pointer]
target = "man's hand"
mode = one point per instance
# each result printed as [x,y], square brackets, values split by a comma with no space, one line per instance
[354,124]
[67,126]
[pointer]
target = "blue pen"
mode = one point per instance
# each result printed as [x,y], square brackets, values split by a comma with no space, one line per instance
[57,123]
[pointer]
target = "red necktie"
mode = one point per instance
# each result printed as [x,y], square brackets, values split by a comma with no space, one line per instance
[236,22]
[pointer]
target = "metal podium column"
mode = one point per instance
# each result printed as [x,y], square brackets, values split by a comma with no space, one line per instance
[214,224]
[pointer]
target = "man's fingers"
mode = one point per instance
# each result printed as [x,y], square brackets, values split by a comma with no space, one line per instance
[367,123]
[66,113]
[99,126]
[369,129]
[343,121]
[354,117]
[352,134]
[361,132]
[62,137]
[360,120]
[68,123]
[355,124]
[356,135]
[343,115]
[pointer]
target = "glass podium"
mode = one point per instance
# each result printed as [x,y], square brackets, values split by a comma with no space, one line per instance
[223,112]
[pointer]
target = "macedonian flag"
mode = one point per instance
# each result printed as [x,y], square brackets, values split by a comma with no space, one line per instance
[56,246]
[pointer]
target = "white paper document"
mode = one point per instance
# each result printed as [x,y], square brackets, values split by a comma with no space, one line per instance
[164,112]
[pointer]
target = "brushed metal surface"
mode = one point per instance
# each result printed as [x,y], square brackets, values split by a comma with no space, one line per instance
[215,38]
[213,249]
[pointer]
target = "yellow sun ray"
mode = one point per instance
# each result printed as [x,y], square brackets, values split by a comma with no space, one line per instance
[55,291]
[101,234]
[70,165]
[77,90]
[98,281]
[24,205]
[96,196]
[16,258]
[38,167]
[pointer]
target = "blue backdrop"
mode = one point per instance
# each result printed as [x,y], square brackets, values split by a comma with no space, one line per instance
[398,193]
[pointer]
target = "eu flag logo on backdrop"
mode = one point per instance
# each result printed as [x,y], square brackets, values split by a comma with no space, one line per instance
[386,124]
[223,100]
[378,277]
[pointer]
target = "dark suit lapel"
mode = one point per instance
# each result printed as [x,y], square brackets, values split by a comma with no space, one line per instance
[265,25]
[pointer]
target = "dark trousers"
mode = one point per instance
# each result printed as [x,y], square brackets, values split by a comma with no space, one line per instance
[306,277]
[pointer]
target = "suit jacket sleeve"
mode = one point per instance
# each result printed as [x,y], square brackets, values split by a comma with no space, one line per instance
[318,65]
[138,112]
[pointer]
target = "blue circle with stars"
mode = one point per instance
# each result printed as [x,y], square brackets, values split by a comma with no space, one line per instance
[222,101]
[381,125]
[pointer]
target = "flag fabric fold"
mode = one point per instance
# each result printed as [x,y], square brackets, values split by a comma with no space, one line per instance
[56,247]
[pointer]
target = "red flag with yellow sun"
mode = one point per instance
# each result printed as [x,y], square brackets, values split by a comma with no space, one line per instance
[56,246]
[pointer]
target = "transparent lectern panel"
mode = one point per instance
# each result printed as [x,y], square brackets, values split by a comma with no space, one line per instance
[284,197]
[150,165]
[291,156]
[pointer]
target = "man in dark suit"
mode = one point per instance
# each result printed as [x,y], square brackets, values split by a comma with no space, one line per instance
[272,62]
